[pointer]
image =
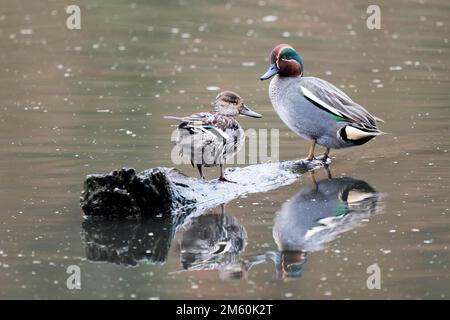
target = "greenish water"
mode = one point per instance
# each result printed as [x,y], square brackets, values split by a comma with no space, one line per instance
[89,101]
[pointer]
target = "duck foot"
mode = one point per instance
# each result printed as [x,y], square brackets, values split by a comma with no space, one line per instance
[305,165]
[324,158]
[223,179]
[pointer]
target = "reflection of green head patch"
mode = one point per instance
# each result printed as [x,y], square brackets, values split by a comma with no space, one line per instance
[341,210]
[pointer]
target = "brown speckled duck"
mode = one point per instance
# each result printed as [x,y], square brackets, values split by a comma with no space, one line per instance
[210,138]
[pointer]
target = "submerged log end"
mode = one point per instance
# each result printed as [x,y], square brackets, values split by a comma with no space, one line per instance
[124,192]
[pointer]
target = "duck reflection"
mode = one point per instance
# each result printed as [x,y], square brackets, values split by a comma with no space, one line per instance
[209,241]
[316,215]
[214,242]
[307,222]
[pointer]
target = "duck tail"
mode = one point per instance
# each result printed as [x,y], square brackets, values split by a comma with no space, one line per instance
[173,118]
[378,119]
[358,135]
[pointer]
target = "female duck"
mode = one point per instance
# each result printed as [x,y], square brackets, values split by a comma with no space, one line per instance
[315,109]
[210,138]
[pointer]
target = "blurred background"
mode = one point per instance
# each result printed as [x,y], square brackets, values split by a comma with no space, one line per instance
[75,102]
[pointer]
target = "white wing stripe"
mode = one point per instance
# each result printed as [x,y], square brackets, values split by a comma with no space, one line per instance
[311,96]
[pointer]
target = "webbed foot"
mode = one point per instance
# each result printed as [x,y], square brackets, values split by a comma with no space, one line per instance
[223,179]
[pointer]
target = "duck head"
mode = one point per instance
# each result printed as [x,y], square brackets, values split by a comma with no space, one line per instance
[284,61]
[231,104]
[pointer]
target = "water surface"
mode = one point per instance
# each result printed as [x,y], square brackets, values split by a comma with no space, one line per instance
[89,101]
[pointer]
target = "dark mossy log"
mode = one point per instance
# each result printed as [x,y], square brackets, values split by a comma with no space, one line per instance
[167,191]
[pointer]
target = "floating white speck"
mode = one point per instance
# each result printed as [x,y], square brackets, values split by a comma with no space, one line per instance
[212,88]
[395,68]
[270,18]
[428,241]
[288,294]
[122,48]
[415,230]
[103,110]
[286,34]
[129,132]
[185,35]
[26,31]
[248,64]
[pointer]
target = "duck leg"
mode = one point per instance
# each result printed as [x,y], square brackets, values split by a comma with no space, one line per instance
[200,171]
[314,181]
[222,177]
[328,172]
[311,151]
[324,157]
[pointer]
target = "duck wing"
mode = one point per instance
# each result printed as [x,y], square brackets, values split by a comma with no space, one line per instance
[205,135]
[204,122]
[327,97]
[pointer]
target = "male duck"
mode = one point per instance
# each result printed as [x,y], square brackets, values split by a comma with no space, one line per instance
[210,138]
[315,109]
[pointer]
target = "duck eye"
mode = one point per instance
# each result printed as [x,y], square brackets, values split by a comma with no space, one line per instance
[286,56]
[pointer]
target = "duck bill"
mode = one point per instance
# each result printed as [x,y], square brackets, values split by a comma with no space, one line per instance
[246,111]
[273,70]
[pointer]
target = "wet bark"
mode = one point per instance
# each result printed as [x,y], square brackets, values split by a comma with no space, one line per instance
[167,191]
